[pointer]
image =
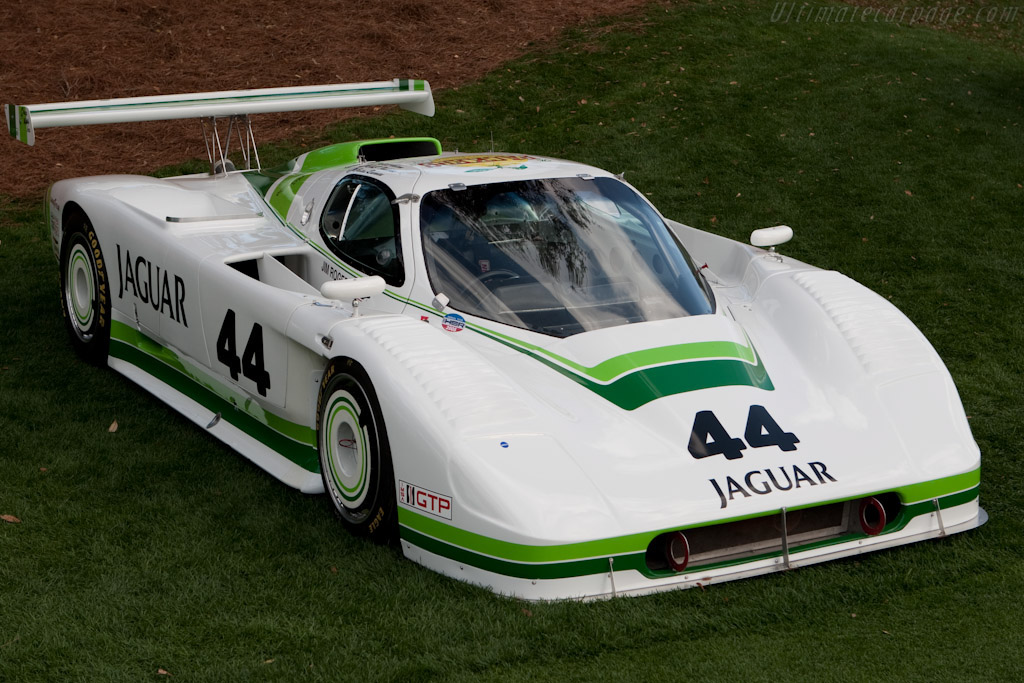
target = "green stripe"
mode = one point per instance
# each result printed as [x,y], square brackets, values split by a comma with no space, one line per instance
[21,118]
[644,385]
[945,502]
[555,570]
[614,367]
[684,367]
[294,441]
[344,153]
[518,552]
[350,408]
[332,156]
[323,252]
[284,194]
[411,84]
[619,365]
[590,557]
[928,490]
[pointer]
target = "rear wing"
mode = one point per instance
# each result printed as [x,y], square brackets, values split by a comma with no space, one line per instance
[23,120]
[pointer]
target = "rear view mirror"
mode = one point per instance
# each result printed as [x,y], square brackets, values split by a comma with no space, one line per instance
[771,237]
[353,290]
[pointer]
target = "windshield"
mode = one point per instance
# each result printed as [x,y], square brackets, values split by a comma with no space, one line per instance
[557,256]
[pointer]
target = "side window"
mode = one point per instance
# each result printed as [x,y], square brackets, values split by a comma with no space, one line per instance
[361,226]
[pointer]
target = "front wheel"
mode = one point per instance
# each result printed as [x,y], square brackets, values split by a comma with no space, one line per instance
[355,459]
[85,291]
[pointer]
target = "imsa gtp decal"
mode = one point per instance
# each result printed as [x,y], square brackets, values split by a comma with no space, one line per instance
[424,499]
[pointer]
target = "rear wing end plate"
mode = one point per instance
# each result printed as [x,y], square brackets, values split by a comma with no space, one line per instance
[23,120]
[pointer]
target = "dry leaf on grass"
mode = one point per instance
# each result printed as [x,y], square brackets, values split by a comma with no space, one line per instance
[162,672]
[113,427]
[10,519]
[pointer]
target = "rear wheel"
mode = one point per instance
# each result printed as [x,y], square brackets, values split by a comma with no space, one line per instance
[85,291]
[355,459]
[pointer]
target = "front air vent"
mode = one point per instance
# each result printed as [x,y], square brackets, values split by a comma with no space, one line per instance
[747,539]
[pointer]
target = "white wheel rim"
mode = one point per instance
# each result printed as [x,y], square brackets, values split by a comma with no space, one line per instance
[80,289]
[347,447]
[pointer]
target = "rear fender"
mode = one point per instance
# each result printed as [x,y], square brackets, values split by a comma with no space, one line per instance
[133,244]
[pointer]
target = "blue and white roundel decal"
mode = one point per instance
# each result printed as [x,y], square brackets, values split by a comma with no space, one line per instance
[453,322]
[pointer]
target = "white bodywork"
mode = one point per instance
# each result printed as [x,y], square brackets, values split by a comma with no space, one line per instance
[802,419]
[546,479]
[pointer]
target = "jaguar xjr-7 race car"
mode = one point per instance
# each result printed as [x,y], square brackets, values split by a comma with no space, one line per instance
[512,364]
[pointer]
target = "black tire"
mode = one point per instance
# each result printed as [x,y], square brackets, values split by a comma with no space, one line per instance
[85,290]
[355,459]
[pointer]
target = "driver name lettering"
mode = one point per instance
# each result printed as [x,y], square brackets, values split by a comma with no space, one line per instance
[151,285]
[762,482]
[333,272]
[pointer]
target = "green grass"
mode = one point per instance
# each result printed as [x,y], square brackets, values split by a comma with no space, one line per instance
[156,547]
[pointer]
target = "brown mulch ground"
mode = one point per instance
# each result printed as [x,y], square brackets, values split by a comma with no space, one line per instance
[54,51]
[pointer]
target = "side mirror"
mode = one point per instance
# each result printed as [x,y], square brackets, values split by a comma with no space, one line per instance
[353,290]
[771,237]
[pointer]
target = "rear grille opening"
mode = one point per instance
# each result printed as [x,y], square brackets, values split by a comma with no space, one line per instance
[748,538]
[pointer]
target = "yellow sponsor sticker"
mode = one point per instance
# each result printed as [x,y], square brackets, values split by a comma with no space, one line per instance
[478,160]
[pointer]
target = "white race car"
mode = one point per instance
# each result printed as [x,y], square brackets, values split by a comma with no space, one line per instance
[513,365]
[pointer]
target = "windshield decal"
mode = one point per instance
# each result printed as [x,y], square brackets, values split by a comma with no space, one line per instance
[453,322]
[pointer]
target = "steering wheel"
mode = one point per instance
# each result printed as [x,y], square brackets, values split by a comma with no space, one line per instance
[480,287]
[492,277]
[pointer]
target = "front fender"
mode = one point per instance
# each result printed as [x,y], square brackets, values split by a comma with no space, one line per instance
[460,427]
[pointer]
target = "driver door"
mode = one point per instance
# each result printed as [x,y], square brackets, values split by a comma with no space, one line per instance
[361,226]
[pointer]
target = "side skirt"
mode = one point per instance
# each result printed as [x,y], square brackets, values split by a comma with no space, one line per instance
[256,451]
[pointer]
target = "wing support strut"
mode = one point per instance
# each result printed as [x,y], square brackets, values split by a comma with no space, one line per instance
[238,125]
